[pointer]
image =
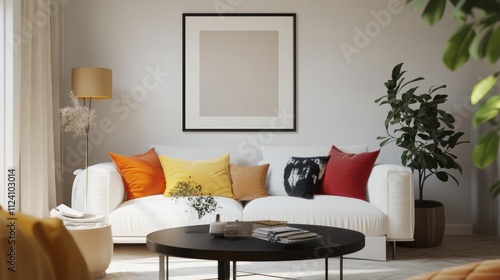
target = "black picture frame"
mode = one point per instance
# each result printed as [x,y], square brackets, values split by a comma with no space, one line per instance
[239,72]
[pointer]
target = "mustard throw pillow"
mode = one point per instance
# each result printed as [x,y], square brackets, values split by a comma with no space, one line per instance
[43,243]
[24,259]
[249,182]
[212,175]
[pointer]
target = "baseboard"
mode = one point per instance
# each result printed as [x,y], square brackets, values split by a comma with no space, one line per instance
[458,229]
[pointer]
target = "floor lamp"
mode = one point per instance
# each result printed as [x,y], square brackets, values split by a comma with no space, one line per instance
[89,83]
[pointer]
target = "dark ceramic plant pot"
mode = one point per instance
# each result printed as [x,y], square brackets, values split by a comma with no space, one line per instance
[429,225]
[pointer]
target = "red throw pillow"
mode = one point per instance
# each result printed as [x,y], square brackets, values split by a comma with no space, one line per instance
[347,174]
[142,174]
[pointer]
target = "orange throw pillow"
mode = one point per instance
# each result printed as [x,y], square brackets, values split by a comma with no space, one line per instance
[142,174]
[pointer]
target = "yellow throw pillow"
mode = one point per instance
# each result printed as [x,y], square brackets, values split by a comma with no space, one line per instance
[249,182]
[22,257]
[212,175]
[43,243]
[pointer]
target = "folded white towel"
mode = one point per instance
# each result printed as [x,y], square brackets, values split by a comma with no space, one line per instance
[73,219]
[70,226]
[86,218]
[69,212]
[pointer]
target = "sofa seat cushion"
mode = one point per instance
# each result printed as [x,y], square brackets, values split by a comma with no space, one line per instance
[324,210]
[141,216]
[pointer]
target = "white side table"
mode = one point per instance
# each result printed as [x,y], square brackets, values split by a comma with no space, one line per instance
[96,245]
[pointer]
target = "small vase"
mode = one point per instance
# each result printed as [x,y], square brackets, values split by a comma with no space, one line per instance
[217,227]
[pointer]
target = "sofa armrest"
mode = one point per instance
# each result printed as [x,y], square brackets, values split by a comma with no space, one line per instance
[390,188]
[105,193]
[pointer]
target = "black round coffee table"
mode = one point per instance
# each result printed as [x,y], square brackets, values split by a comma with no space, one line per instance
[196,243]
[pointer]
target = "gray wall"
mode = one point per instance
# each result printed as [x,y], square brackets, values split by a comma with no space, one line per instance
[335,88]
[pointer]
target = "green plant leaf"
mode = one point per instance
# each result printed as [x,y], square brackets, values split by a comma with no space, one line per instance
[479,45]
[489,110]
[441,158]
[450,162]
[467,5]
[440,97]
[404,160]
[483,87]
[454,139]
[457,49]
[442,176]
[417,4]
[379,99]
[490,18]
[424,137]
[493,49]
[386,141]
[390,84]
[412,81]
[485,151]
[423,97]
[430,162]
[495,189]
[454,179]
[433,11]
[396,72]
[448,122]
[458,12]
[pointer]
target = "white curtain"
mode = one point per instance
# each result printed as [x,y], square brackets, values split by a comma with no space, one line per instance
[39,129]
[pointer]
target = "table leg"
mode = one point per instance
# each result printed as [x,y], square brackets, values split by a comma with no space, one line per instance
[163,273]
[393,250]
[162,267]
[341,267]
[223,270]
[326,268]
[341,270]
[234,270]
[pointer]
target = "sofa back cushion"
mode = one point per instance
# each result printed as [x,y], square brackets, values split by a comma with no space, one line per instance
[278,156]
[238,154]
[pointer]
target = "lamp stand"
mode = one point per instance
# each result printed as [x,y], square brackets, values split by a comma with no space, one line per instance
[87,129]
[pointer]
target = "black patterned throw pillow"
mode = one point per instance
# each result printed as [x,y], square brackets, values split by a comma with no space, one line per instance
[303,175]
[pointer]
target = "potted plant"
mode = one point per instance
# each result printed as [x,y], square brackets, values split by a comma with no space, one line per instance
[201,204]
[426,134]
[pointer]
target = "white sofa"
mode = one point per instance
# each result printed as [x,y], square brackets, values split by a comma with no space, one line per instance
[388,215]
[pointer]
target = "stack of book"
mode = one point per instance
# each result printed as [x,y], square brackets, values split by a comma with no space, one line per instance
[284,234]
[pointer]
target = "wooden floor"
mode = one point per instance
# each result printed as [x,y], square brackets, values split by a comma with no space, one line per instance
[137,262]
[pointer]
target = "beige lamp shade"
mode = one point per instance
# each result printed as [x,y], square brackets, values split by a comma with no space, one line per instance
[91,82]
